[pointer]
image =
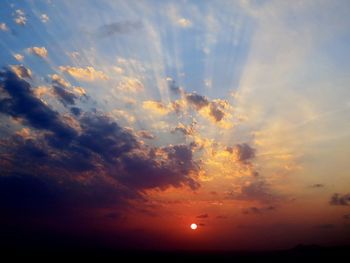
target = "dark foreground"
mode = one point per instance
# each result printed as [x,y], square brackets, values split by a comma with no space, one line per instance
[298,254]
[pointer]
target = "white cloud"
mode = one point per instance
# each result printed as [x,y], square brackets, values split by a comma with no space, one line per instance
[44,18]
[20,18]
[87,74]
[3,27]
[18,57]
[183,22]
[39,51]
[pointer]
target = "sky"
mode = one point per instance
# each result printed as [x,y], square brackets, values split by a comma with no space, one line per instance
[124,122]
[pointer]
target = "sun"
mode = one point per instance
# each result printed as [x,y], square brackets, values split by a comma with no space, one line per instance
[193,226]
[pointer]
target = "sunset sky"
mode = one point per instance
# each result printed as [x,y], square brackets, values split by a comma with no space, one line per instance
[124,122]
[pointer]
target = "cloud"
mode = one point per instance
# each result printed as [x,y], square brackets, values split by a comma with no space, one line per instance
[80,91]
[183,22]
[3,27]
[123,27]
[76,111]
[255,189]
[145,134]
[65,96]
[168,166]
[18,57]
[96,163]
[244,152]
[203,216]
[86,74]
[22,71]
[186,130]
[317,185]
[38,51]
[196,100]
[214,110]
[61,90]
[44,18]
[173,87]
[58,80]
[258,210]
[156,107]
[20,18]
[340,199]
[132,85]
[23,104]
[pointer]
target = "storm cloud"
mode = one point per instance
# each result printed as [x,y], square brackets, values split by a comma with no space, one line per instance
[100,163]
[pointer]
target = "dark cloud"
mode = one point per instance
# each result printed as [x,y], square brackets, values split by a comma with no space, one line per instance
[216,111]
[340,199]
[317,185]
[174,88]
[22,71]
[196,100]
[174,168]
[203,216]
[105,137]
[221,217]
[245,153]
[186,130]
[65,96]
[75,110]
[145,134]
[258,210]
[346,216]
[122,27]
[22,103]
[101,164]
[256,189]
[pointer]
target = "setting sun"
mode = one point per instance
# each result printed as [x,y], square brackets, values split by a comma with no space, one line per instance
[193,226]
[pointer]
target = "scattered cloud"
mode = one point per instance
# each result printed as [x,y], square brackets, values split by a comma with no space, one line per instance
[18,57]
[340,199]
[132,85]
[20,18]
[146,134]
[44,18]
[3,27]
[221,217]
[184,22]
[38,51]
[196,100]
[202,216]
[317,186]
[21,71]
[186,130]
[244,152]
[58,80]
[258,210]
[122,27]
[156,107]
[86,74]
[65,96]
[255,189]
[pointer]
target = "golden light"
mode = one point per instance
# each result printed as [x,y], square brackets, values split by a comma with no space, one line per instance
[193,226]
